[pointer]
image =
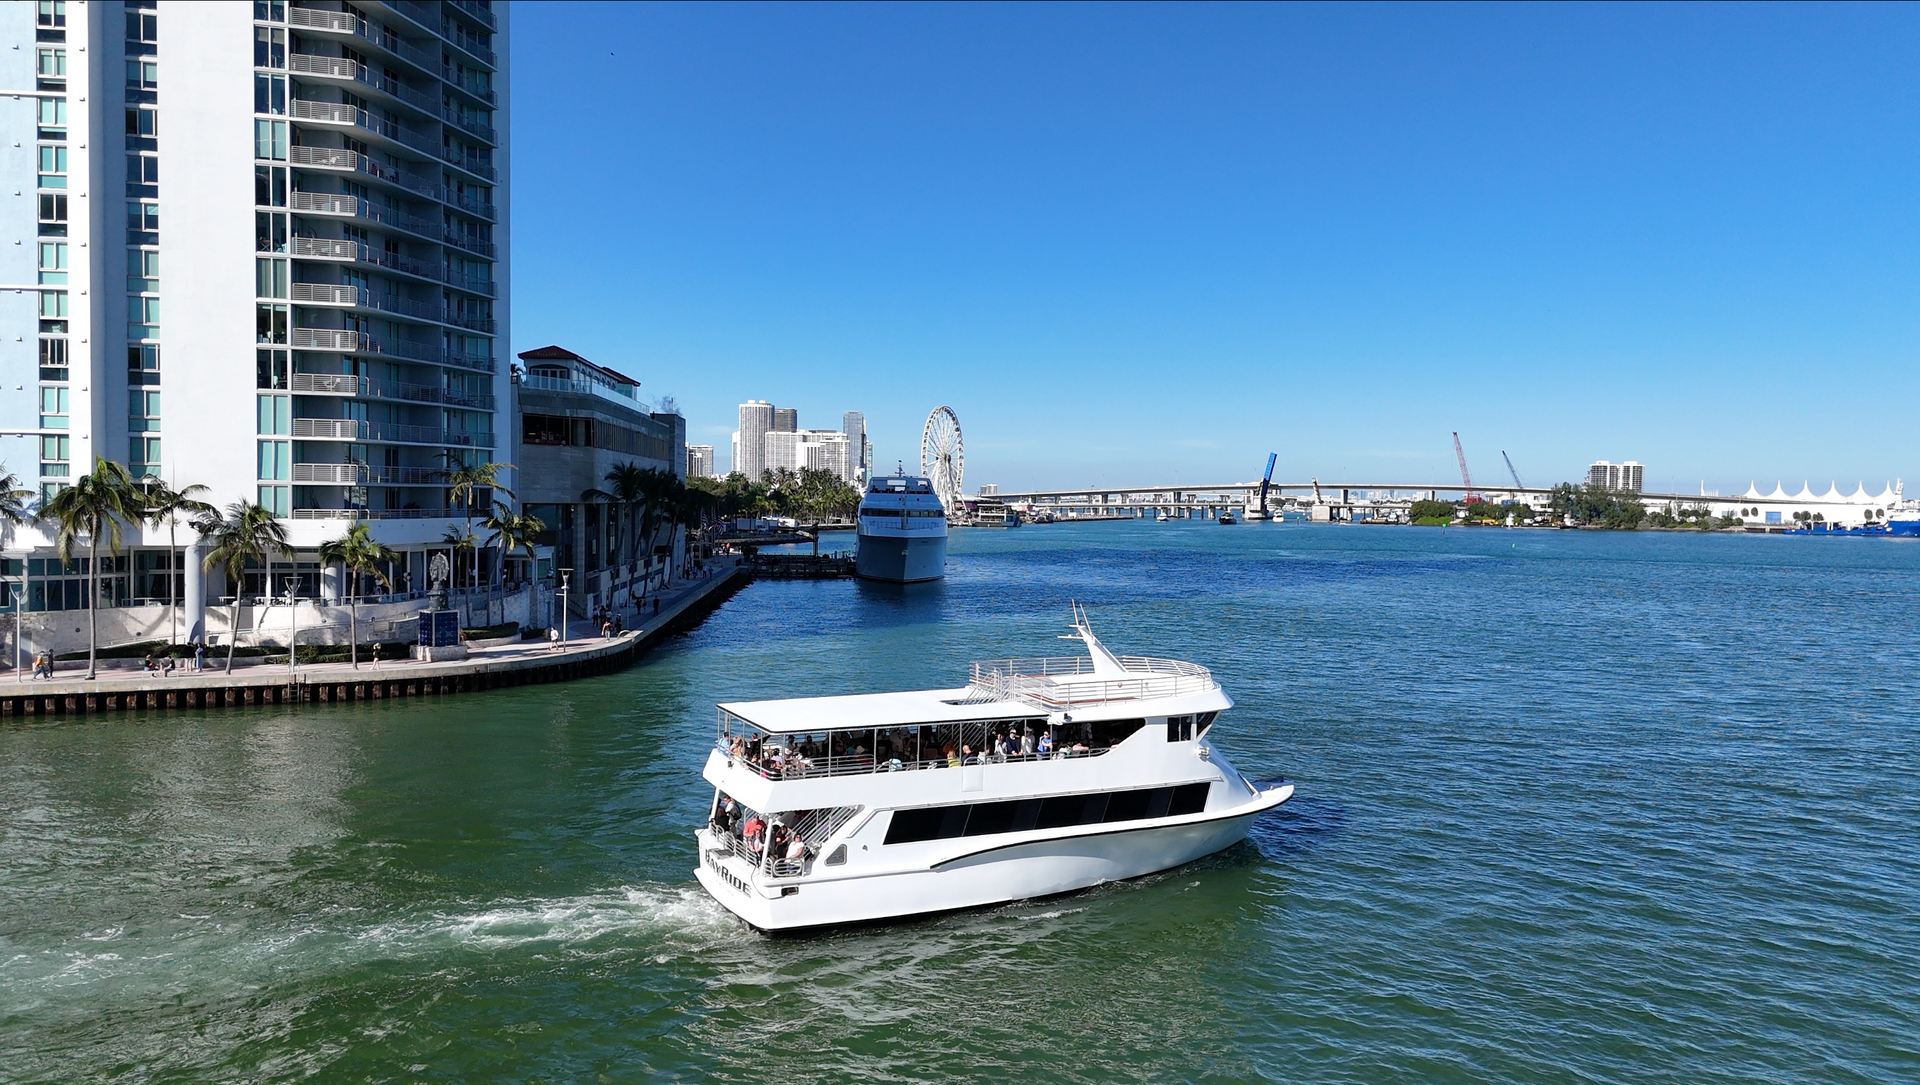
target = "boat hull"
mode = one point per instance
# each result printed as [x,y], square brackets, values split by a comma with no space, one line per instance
[995,874]
[900,559]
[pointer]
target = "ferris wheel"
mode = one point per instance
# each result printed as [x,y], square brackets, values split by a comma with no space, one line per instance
[943,458]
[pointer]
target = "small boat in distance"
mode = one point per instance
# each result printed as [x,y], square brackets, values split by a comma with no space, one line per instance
[1161,517]
[1227,518]
[1037,777]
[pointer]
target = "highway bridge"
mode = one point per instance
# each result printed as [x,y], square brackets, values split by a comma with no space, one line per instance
[1322,500]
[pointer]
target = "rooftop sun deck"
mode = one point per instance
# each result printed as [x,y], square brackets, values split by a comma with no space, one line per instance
[997,689]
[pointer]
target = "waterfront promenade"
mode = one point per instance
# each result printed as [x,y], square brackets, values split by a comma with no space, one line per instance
[583,654]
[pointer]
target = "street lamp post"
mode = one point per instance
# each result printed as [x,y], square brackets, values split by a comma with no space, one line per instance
[293,615]
[565,576]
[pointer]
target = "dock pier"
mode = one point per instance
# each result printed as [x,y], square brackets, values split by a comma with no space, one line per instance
[529,663]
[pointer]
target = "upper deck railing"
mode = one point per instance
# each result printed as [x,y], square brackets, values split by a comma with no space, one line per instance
[1061,682]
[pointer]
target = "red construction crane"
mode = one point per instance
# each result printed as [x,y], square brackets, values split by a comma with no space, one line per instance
[1466,480]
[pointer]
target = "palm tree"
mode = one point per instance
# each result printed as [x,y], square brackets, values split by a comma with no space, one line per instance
[248,531]
[662,496]
[15,511]
[96,504]
[464,483]
[692,508]
[625,494]
[358,554]
[165,505]
[514,531]
[465,540]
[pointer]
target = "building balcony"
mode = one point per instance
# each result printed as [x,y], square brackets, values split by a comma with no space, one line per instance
[343,68]
[378,514]
[326,203]
[343,160]
[357,298]
[347,24]
[472,128]
[352,342]
[360,120]
[347,384]
[475,12]
[354,429]
[328,248]
[585,388]
[431,18]
[451,76]
[360,474]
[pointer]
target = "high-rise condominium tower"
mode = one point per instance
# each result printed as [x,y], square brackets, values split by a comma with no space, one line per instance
[1629,476]
[699,461]
[271,246]
[750,444]
[854,425]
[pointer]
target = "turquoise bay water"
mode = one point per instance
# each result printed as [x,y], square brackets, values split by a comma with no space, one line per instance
[1573,807]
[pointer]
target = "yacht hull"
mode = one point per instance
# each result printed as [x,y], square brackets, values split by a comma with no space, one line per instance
[900,559]
[994,873]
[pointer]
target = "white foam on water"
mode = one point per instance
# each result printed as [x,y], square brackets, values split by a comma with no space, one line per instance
[683,917]
[567,921]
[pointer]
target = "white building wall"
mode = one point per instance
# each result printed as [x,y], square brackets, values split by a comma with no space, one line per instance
[207,239]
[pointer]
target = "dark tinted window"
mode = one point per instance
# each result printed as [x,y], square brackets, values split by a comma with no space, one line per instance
[989,818]
[911,825]
[1059,812]
[1127,805]
[1188,799]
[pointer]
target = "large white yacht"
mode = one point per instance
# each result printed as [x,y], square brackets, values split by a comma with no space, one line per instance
[1039,776]
[902,531]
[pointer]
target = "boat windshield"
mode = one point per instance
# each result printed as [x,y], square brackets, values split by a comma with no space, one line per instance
[795,756]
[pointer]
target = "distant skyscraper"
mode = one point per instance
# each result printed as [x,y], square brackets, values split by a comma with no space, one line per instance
[1629,476]
[785,420]
[854,425]
[820,449]
[750,452]
[699,461]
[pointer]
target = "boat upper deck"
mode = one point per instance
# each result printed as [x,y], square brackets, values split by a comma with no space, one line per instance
[998,689]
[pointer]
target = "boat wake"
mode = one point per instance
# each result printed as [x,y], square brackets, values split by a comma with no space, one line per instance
[562,922]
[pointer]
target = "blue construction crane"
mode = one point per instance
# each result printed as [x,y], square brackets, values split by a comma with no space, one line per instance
[1262,513]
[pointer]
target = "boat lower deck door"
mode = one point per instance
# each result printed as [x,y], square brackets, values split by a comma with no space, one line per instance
[970,777]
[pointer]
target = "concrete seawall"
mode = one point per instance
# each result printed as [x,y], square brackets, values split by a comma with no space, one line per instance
[488,668]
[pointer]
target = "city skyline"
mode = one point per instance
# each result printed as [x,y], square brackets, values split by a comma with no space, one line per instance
[1333,233]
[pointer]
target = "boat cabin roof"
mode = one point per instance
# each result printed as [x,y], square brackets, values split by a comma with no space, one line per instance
[795,715]
[1099,685]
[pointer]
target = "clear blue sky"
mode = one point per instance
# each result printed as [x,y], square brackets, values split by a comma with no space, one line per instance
[1133,244]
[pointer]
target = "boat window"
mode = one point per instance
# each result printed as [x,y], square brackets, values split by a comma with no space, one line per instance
[1057,812]
[794,756]
[838,857]
[1204,721]
[1179,728]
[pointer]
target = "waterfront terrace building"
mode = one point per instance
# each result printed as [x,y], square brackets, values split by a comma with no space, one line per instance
[579,421]
[263,247]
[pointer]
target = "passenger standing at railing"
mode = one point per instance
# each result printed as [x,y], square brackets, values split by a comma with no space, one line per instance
[1046,743]
[1026,742]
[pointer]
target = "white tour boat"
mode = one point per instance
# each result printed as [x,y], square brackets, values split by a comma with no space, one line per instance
[902,533]
[1040,776]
